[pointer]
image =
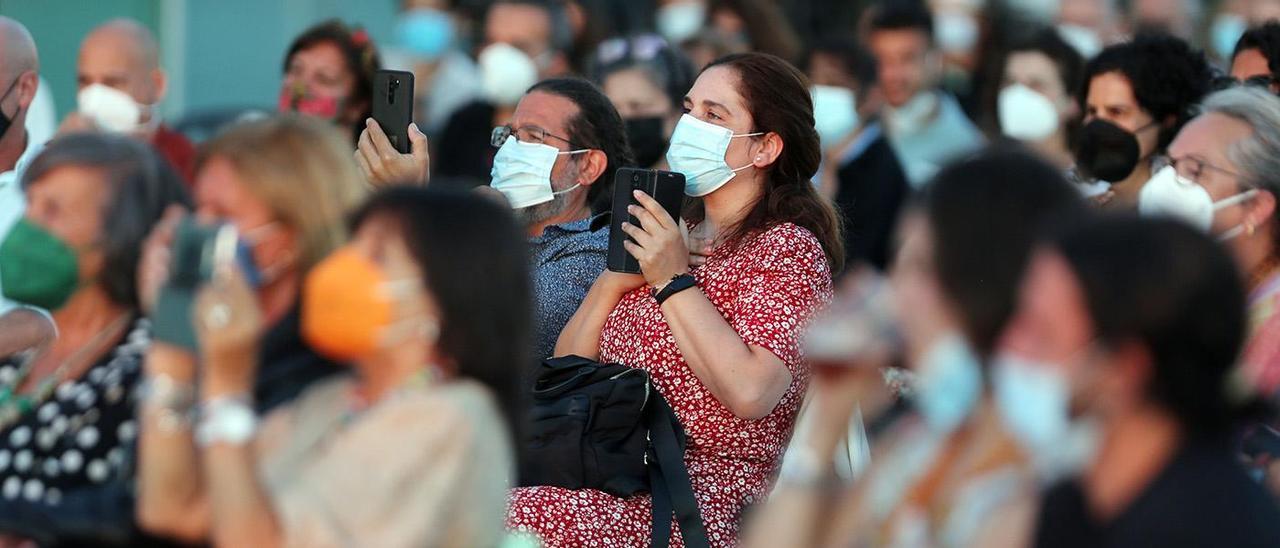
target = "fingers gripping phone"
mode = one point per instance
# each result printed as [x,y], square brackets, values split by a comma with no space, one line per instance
[198,252]
[666,187]
[393,105]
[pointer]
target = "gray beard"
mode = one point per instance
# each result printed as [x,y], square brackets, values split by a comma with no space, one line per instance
[539,213]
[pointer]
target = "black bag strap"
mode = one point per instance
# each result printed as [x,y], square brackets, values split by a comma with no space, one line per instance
[671,490]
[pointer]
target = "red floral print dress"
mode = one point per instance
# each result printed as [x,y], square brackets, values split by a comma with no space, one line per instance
[767,289]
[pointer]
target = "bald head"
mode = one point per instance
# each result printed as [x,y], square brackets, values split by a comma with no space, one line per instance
[122,54]
[17,50]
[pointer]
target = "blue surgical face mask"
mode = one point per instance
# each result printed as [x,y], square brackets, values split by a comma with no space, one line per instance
[1034,401]
[426,32]
[522,172]
[834,113]
[697,151]
[949,383]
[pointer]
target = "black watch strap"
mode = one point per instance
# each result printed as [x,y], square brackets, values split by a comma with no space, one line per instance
[677,284]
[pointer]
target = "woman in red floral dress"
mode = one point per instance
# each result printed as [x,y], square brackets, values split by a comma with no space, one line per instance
[725,353]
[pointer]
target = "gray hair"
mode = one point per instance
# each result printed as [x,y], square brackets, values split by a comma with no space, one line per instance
[1257,157]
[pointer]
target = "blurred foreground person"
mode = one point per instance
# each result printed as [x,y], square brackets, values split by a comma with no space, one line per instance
[950,473]
[286,185]
[412,449]
[1129,329]
[67,421]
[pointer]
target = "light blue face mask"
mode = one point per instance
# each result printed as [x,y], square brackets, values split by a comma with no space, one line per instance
[834,113]
[949,383]
[522,172]
[426,32]
[697,151]
[1033,400]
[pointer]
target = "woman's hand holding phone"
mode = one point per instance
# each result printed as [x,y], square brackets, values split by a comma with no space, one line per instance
[659,244]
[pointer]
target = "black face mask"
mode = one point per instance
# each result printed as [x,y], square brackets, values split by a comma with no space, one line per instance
[648,139]
[1106,151]
[5,119]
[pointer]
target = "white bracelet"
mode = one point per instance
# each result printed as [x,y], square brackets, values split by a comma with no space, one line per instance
[230,420]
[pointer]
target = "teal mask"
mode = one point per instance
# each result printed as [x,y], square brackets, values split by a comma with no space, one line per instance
[36,267]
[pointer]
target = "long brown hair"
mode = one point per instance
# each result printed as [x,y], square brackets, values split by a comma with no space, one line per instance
[777,95]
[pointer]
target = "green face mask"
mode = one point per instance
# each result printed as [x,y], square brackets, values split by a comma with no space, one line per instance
[36,267]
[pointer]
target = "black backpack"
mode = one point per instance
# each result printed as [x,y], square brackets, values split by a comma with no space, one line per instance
[604,427]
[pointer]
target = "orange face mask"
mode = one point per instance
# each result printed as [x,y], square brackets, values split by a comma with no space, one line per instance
[347,306]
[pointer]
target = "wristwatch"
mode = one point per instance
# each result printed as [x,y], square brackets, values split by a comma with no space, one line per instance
[230,420]
[678,283]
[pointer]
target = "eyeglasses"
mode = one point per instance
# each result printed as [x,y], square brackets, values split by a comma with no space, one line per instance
[526,134]
[1188,167]
[1265,81]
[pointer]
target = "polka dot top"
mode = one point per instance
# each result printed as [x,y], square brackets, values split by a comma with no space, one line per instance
[81,436]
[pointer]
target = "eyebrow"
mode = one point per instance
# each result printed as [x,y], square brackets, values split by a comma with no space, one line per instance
[709,104]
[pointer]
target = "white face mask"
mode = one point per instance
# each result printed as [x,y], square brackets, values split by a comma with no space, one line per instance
[1085,40]
[835,113]
[506,73]
[698,151]
[948,384]
[1170,194]
[111,109]
[679,21]
[522,172]
[956,32]
[1034,403]
[1026,115]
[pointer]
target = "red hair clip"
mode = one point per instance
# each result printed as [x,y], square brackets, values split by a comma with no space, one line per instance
[360,38]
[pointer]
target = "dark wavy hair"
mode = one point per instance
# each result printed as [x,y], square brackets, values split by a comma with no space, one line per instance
[1264,38]
[474,260]
[358,52]
[1168,78]
[777,95]
[142,185]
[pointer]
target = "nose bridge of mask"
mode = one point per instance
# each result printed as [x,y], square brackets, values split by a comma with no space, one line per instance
[1170,194]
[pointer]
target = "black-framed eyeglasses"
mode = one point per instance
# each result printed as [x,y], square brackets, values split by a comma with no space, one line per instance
[1264,81]
[1188,167]
[525,134]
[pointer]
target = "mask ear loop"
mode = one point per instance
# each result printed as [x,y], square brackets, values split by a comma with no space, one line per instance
[576,185]
[758,157]
[1228,202]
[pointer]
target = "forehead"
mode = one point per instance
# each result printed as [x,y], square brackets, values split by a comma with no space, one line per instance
[515,22]
[545,110]
[109,52]
[1248,64]
[324,54]
[1111,88]
[1209,135]
[718,85]
[889,41]
[1030,64]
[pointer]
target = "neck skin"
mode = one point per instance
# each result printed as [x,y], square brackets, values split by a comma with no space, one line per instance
[382,373]
[85,315]
[728,204]
[13,144]
[577,211]
[1136,448]
[1055,150]
[278,297]
[1128,189]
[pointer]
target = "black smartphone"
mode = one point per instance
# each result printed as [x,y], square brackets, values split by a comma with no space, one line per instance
[393,105]
[197,251]
[664,186]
